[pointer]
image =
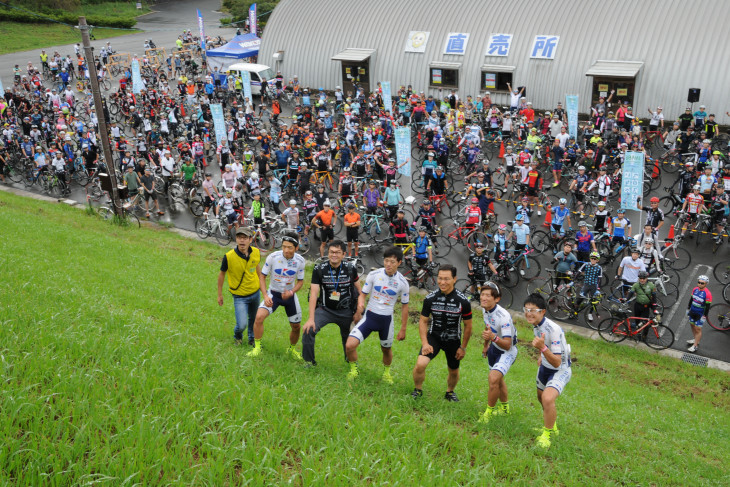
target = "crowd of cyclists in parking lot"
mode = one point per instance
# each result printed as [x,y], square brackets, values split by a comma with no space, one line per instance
[506,188]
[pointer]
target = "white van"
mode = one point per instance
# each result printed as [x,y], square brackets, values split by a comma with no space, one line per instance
[258,72]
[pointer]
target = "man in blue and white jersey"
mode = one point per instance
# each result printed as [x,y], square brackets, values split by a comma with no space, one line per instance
[286,270]
[384,286]
[561,215]
[500,340]
[555,371]
[620,228]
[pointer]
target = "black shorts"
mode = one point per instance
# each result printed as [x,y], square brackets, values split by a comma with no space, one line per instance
[150,195]
[449,347]
[351,234]
[510,169]
[579,195]
[326,234]
[531,191]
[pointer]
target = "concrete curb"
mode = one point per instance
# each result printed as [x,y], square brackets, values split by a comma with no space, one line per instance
[577,330]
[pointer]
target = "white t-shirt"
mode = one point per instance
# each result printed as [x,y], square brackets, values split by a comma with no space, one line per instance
[384,291]
[284,272]
[656,118]
[631,269]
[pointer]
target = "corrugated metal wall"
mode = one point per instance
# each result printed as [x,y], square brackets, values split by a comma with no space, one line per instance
[683,44]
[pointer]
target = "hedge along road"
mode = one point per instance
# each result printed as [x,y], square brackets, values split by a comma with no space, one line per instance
[162,25]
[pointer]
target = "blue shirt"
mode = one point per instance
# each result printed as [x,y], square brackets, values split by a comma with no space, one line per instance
[559,215]
[521,232]
[584,241]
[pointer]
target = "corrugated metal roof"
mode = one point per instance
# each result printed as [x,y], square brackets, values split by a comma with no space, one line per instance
[353,54]
[615,69]
[657,32]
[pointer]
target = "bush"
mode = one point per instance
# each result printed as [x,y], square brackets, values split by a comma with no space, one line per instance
[67,18]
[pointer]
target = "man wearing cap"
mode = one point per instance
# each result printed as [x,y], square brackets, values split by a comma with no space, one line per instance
[242,265]
[685,120]
[325,220]
[333,298]
[699,118]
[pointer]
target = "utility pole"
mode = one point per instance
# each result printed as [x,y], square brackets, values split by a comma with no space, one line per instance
[98,104]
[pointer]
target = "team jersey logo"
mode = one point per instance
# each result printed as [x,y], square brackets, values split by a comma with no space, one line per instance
[285,272]
[385,290]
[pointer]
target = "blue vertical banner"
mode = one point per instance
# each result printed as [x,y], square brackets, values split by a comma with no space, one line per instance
[246,82]
[632,180]
[202,31]
[252,19]
[403,149]
[2,89]
[219,125]
[571,106]
[387,98]
[137,84]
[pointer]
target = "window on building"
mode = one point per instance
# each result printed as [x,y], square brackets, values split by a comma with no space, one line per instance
[443,78]
[495,81]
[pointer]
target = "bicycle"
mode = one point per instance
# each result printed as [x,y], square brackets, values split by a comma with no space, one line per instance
[719,316]
[654,334]
[467,235]
[675,256]
[127,209]
[217,226]
[471,289]
[422,277]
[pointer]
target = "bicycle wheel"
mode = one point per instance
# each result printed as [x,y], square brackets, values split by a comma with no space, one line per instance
[202,228]
[721,271]
[105,213]
[304,245]
[507,297]
[475,237]
[726,293]
[464,286]
[441,246]
[658,337]
[132,219]
[498,179]
[196,207]
[677,258]
[540,241]
[222,235]
[429,282]
[593,317]
[263,241]
[719,316]
[615,332]
[670,292]
[540,285]
[557,308]
[528,267]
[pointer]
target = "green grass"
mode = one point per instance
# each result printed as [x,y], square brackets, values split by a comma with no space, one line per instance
[19,36]
[118,367]
[114,9]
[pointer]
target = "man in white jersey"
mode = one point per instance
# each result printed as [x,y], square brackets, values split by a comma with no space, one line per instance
[500,340]
[555,371]
[286,269]
[384,286]
[291,215]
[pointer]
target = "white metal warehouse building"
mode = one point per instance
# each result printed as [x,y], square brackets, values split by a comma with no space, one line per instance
[650,51]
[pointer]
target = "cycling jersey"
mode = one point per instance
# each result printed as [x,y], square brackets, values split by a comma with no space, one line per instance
[631,269]
[584,241]
[699,301]
[521,232]
[706,183]
[580,180]
[693,203]
[422,246]
[653,217]
[447,311]
[559,214]
[473,215]
[384,291]
[479,265]
[284,272]
[292,216]
[619,226]
[555,341]
[500,322]
[592,274]
[534,180]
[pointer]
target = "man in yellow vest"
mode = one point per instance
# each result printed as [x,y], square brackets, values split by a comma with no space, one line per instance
[243,266]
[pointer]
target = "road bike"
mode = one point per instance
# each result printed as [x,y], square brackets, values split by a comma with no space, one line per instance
[650,330]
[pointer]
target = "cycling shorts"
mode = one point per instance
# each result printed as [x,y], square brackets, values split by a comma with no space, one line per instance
[291,306]
[371,322]
[448,346]
[557,379]
[501,360]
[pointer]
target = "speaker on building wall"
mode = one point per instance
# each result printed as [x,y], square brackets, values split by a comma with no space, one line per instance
[693,96]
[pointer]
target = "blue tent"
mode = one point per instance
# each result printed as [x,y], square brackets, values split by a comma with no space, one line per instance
[240,47]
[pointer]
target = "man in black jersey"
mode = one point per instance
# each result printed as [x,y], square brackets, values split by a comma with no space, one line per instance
[478,263]
[446,307]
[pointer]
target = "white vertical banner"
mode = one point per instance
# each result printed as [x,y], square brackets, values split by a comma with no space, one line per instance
[571,106]
[219,124]
[387,98]
[246,82]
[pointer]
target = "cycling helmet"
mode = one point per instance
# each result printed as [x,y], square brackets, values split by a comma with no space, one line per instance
[582,223]
[502,226]
[581,168]
[421,228]
[635,249]
[254,175]
[439,168]
[654,200]
[320,186]
[351,205]
[479,245]
[621,210]
[303,164]
[426,202]
[703,278]
[596,255]
[643,275]
[293,202]
[649,240]
[308,193]
[563,201]
[689,163]
[601,204]
[475,200]
[520,217]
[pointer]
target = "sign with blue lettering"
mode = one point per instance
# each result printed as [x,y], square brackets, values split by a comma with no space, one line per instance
[456,43]
[571,106]
[632,180]
[544,47]
[499,45]
[137,84]
[246,82]
[219,125]
[403,149]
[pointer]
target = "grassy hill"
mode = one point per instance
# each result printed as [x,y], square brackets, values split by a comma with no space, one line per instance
[118,367]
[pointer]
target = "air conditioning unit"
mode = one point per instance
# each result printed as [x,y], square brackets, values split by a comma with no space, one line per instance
[279,56]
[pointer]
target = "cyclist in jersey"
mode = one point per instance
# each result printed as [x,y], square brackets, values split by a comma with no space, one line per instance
[478,264]
[384,286]
[654,216]
[473,214]
[286,270]
[534,184]
[446,308]
[501,242]
[592,274]
[629,268]
[561,216]
[620,228]
[699,304]
[426,215]
[579,186]
[500,349]
[651,257]
[586,242]
[555,370]
[693,204]
[423,247]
